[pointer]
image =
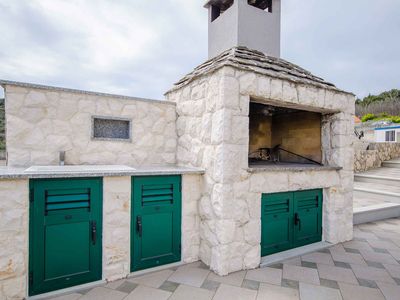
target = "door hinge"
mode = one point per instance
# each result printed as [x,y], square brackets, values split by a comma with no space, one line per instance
[30,278]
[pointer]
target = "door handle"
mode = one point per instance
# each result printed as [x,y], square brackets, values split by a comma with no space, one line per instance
[139,227]
[94,232]
[297,220]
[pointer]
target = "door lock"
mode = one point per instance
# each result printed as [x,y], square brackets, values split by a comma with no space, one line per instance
[139,227]
[94,232]
[297,220]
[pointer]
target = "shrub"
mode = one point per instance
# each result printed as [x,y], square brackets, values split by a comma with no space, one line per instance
[368,117]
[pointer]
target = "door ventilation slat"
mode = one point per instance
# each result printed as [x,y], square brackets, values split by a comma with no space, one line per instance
[275,207]
[157,194]
[308,203]
[72,199]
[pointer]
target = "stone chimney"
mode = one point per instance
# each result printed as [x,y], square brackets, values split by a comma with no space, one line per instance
[255,24]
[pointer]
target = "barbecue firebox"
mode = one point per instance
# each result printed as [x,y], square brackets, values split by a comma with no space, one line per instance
[284,135]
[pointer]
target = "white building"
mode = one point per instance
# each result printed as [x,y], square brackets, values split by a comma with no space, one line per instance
[387,134]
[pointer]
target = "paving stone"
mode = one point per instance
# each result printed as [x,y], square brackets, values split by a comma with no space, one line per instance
[230,292]
[274,292]
[73,296]
[309,291]
[370,273]
[355,245]
[250,284]
[336,274]
[277,266]
[127,287]
[102,293]
[293,261]
[318,258]
[367,283]
[154,280]
[189,276]
[353,292]
[210,285]
[342,265]
[397,280]
[374,264]
[114,284]
[394,271]
[301,274]
[379,257]
[329,283]
[232,279]
[325,250]
[169,286]
[307,264]
[266,275]
[350,250]
[380,250]
[395,254]
[148,293]
[350,258]
[383,244]
[184,292]
[293,284]
[391,292]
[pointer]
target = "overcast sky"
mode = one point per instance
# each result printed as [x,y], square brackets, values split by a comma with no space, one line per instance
[140,48]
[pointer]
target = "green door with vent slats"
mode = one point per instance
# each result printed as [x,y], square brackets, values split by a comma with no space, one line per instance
[290,220]
[156,221]
[65,233]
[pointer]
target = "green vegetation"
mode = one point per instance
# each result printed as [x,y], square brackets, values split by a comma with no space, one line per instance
[385,106]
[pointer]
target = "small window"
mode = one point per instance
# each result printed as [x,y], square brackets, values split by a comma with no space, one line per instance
[261,4]
[390,136]
[104,128]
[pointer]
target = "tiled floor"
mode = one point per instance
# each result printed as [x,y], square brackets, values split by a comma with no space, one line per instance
[366,268]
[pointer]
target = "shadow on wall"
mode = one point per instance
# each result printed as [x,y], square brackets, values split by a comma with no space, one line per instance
[2,131]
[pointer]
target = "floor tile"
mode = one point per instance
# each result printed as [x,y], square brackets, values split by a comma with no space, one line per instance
[391,292]
[353,292]
[307,264]
[232,279]
[251,284]
[102,293]
[154,280]
[380,250]
[274,292]
[315,292]
[394,271]
[357,245]
[318,258]
[184,292]
[114,284]
[73,296]
[337,274]
[301,274]
[374,274]
[350,258]
[148,293]
[351,250]
[169,286]
[127,287]
[342,265]
[293,261]
[293,284]
[395,254]
[367,283]
[329,283]
[210,285]
[374,264]
[378,257]
[277,266]
[266,275]
[383,244]
[189,276]
[230,292]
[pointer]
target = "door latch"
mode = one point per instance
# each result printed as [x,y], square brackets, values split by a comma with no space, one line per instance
[139,227]
[94,232]
[297,220]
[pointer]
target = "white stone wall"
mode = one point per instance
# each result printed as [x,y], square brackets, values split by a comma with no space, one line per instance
[14,210]
[213,133]
[116,227]
[40,123]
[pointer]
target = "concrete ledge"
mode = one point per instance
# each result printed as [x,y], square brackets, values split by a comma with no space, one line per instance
[376,213]
[281,256]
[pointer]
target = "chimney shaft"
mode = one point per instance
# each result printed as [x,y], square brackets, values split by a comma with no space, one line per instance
[255,24]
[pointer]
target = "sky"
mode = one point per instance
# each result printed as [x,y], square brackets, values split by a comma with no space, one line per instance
[140,48]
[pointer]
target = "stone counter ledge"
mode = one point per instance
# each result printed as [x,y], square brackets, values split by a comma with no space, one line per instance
[19,173]
[286,168]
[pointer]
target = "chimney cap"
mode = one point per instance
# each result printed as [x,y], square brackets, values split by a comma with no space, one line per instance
[219,3]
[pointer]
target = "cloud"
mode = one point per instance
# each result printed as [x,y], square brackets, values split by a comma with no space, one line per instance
[141,48]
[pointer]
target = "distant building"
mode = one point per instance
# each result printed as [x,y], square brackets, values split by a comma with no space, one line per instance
[388,134]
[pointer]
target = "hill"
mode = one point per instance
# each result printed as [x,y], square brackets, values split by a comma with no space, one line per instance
[386,105]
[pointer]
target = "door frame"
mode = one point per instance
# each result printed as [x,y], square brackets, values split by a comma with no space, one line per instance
[31,253]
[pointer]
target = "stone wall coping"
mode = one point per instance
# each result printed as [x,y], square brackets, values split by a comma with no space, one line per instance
[20,173]
[4,83]
[294,168]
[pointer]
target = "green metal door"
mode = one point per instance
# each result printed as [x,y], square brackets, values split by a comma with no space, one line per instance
[156,221]
[277,223]
[65,233]
[290,220]
[308,217]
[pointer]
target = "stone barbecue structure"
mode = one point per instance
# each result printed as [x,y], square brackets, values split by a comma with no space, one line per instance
[249,155]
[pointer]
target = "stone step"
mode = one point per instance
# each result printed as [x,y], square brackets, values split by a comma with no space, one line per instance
[377,194]
[377,179]
[375,213]
[391,164]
